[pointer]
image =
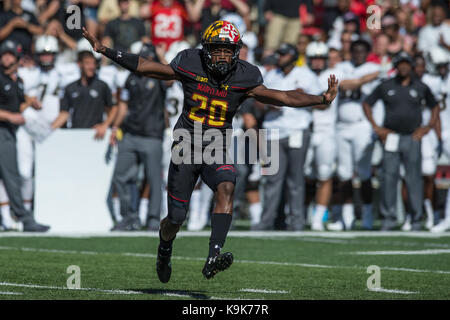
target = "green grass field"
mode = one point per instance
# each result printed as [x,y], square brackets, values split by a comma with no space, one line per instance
[273,265]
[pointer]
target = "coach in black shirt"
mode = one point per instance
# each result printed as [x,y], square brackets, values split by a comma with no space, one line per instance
[12,102]
[141,120]
[86,100]
[403,97]
[19,25]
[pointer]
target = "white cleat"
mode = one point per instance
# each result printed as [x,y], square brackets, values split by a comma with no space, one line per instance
[335,226]
[407,225]
[441,227]
[429,224]
[317,226]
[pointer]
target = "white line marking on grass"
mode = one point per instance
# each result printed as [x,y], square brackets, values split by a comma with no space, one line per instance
[238,234]
[264,291]
[401,252]
[108,291]
[10,293]
[392,291]
[36,286]
[278,263]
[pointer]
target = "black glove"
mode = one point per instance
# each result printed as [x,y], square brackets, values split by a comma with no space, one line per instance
[440,148]
[108,155]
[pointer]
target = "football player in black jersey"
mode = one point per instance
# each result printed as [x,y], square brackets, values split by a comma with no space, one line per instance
[215,82]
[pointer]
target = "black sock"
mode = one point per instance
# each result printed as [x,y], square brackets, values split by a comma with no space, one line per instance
[163,244]
[220,224]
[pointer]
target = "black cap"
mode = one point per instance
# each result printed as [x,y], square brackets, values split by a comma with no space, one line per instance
[287,48]
[401,57]
[148,51]
[11,47]
[350,17]
[362,40]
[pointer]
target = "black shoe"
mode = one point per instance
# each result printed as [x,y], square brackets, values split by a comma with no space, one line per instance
[33,226]
[163,264]
[216,264]
[128,224]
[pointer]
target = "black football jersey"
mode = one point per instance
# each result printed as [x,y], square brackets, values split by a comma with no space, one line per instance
[207,101]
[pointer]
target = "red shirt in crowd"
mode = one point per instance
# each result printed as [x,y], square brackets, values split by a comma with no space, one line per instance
[167,23]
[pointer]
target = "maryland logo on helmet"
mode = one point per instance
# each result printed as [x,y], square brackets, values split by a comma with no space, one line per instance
[221,32]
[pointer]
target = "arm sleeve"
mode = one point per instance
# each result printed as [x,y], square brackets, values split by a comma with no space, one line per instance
[374,96]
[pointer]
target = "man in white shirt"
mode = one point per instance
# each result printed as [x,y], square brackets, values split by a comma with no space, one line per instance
[433,33]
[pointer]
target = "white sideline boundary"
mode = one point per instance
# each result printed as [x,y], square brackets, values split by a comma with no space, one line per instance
[237,234]
[278,263]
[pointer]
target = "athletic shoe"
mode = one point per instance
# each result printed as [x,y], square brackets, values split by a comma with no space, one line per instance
[128,224]
[163,264]
[335,226]
[442,226]
[407,225]
[317,226]
[33,226]
[430,223]
[216,264]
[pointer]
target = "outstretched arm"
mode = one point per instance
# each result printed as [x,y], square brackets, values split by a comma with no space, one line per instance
[133,62]
[295,98]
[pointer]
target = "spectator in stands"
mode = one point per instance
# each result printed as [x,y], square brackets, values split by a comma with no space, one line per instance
[436,32]
[282,16]
[302,43]
[19,25]
[121,32]
[168,19]
[86,100]
[209,11]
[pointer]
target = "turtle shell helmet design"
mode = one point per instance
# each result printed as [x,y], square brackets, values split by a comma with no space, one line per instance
[221,33]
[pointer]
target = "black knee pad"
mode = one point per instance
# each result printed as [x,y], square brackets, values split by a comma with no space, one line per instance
[366,191]
[177,210]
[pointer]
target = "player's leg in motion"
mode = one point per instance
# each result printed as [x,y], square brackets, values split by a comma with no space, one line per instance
[220,224]
[180,184]
[221,178]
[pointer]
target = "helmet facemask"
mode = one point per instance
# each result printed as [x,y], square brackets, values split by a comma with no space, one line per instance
[220,68]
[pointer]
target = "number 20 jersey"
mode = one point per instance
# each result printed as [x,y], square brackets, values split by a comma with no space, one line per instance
[205,101]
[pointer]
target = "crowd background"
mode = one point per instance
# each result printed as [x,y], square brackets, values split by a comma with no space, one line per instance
[411,26]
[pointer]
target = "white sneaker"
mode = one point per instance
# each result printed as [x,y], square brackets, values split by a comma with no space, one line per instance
[429,224]
[407,225]
[441,227]
[317,226]
[335,226]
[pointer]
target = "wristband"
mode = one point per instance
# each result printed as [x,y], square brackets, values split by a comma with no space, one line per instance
[127,60]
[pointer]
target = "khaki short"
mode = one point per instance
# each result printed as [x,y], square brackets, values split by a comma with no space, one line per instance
[280,30]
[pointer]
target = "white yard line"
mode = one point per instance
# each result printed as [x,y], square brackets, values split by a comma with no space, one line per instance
[392,291]
[107,291]
[238,234]
[278,263]
[264,291]
[400,252]
[10,293]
